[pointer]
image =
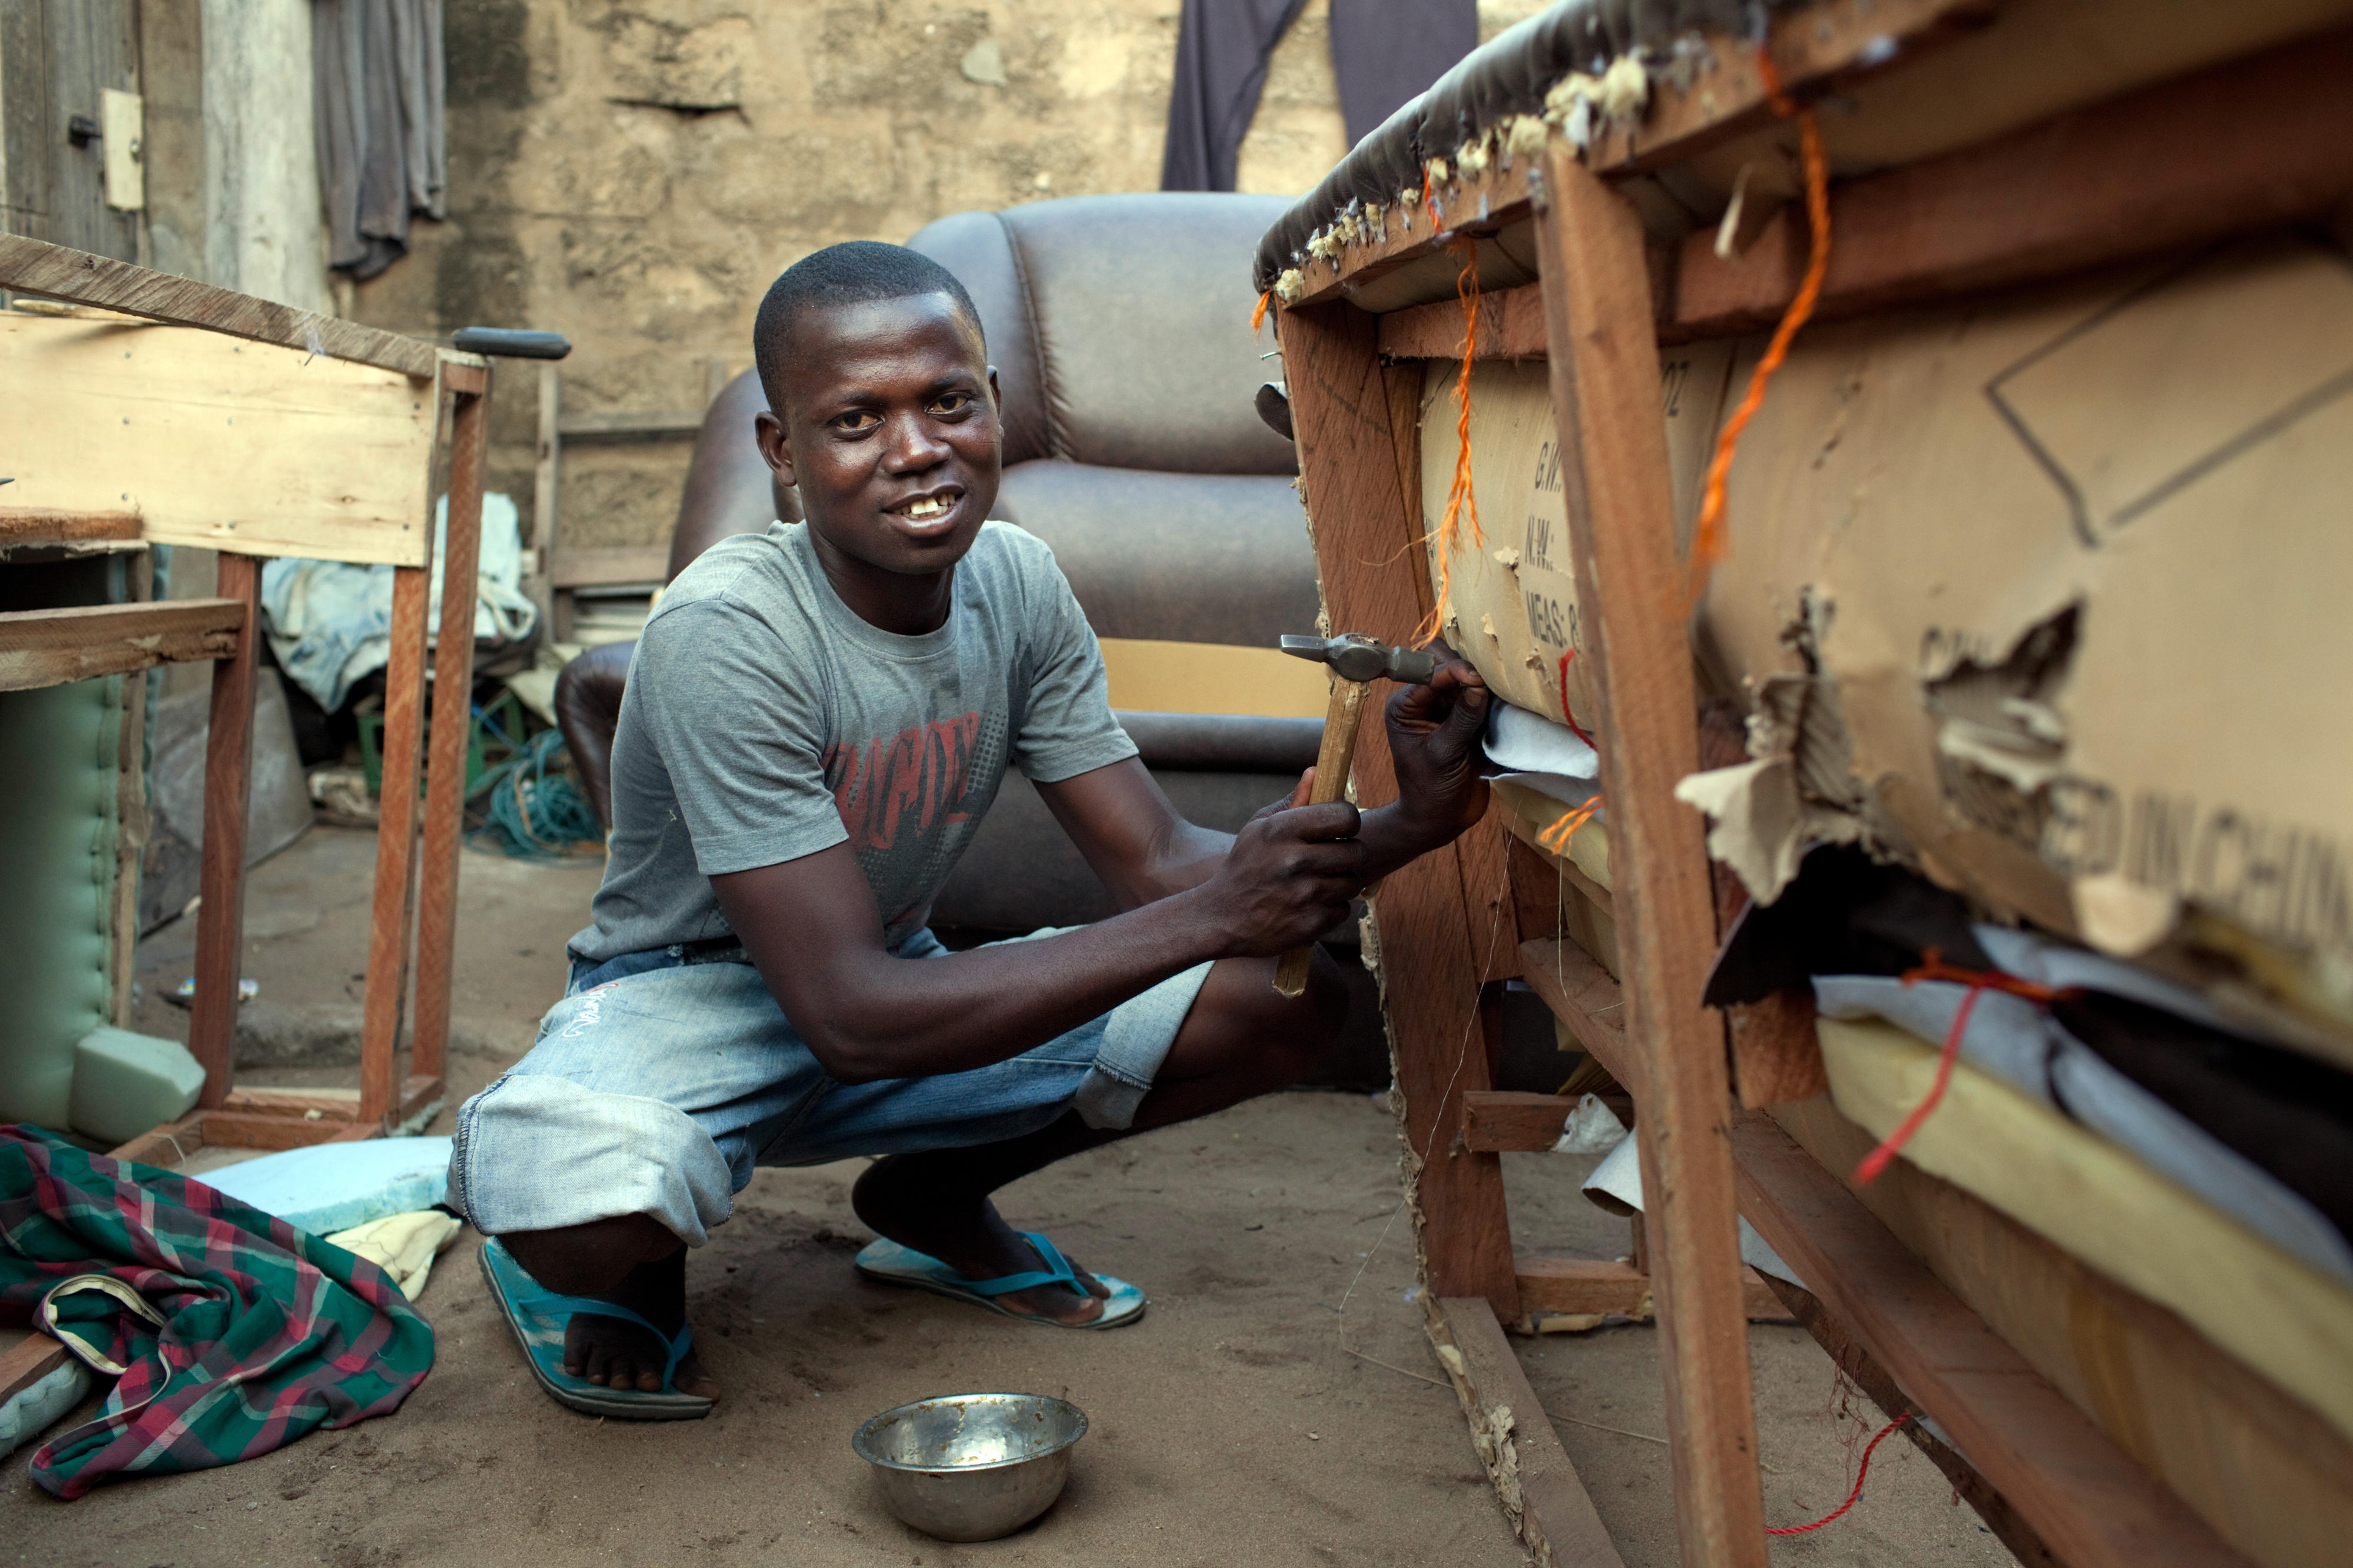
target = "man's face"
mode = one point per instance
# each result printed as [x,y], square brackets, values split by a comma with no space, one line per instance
[889,429]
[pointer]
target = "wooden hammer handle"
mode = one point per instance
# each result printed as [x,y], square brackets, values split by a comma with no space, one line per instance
[1333,760]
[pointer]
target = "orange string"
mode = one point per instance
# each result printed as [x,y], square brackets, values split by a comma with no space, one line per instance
[1460,502]
[1257,317]
[1708,542]
[1555,838]
[1855,1496]
[1979,981]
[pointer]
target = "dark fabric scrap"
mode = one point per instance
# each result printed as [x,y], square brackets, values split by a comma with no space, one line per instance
[1385,51]
[1221,53]
[379,91]
[231,1333]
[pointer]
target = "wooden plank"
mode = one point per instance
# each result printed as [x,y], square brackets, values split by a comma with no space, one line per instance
[1582,996]
[269,1130]
[49,647]
[54,272]
[390,920]
[604,567]
[218,443]
[1511,326]
[1560,866]
[628,426]
[1618,498]
[21,525]
[1502,1121]
[228,765]
[1775,1055]
[1855,1362]
[166,1146]
[331,1104]
[1541,1492]
[2090,1504]
[1374,582]
[419,1093]
[2262,141]
[453,723]
[1585,1286]
[27,1362]
[1495,198]
[131,816]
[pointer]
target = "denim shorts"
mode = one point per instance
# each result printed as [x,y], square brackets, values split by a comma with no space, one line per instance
[662,1079]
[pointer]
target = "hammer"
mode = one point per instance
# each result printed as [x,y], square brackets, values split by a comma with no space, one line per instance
[1358,661]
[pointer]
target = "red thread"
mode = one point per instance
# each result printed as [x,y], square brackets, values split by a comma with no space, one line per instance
[1980,980]
[1567,716]
[1257,317]
[1854,1497]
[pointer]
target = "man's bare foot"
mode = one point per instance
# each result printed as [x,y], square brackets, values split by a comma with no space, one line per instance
[617,1354]
[972,1239]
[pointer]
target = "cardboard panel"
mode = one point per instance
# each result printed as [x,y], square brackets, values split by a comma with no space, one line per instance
[218,442]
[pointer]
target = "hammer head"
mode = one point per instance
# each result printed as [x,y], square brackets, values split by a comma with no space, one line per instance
[1356,658]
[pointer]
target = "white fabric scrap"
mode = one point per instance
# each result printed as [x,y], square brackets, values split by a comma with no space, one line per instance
[1616,1187]
[1591,1127]
[1546,757]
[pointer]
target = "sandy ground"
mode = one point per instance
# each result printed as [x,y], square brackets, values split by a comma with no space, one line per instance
[1232,1426]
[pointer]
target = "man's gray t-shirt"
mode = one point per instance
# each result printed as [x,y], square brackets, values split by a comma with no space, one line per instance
[764,721]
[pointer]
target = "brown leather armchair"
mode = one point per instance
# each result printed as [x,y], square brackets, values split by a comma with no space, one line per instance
[1120,330]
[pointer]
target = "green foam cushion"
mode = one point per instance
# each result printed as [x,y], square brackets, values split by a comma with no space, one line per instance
[126,1084]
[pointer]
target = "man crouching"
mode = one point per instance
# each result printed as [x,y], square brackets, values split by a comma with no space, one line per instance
[816,719]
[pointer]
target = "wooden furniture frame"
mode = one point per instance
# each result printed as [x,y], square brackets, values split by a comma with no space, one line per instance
[564,569]
[2264,140]
[413,925]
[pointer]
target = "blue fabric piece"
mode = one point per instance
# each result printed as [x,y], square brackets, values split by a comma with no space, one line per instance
[330,1188]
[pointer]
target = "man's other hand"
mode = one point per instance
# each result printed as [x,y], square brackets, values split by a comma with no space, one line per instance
[1435,732]
[1288,879]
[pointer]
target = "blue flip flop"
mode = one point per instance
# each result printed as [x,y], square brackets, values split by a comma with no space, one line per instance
[896,1264]
[537,1317]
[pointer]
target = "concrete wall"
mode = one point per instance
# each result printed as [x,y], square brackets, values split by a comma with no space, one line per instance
[633,173]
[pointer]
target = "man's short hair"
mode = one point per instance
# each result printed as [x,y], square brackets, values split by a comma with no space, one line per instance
[852,273]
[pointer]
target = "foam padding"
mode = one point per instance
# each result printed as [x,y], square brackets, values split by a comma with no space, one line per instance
[330,1188]
[126,1084]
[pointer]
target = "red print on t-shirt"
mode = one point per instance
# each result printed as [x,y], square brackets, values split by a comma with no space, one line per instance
[914,778]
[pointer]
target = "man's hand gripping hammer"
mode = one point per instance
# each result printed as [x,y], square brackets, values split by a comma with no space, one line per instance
[1358,661]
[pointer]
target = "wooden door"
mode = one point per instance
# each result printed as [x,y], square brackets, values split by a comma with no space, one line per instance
[57,58]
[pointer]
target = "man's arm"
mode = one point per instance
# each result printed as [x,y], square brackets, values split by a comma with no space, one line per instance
[812,929]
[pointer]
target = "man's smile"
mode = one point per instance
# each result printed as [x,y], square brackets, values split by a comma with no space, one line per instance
[934,506]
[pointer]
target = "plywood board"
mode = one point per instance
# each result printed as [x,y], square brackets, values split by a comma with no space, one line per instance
[229,444]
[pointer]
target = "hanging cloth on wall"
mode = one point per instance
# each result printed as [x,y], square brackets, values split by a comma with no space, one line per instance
[380,83]
[1384,52]
[1221,53]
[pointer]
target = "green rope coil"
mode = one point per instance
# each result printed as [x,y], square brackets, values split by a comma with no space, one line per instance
[534,815]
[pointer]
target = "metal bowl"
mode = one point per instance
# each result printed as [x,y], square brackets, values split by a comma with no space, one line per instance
[972,1467]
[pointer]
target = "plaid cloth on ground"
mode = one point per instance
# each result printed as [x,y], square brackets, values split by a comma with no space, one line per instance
[233,1332]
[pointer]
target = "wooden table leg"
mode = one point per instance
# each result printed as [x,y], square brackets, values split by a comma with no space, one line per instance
[1606,398]
[1440,938]
[395,846]
[229,781]
[445,774]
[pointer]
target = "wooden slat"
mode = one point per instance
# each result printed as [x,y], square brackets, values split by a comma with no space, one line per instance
[1502,1121]
[1582,996]
[623,426]
[598,568]
[453,723]
[131,816]
[27,1362]
[1583,1286]
[1806,1309]
[2262,141]
[2090,1504]
[417,1093]
[1511,326]
[1560,866]
[269,1130]
[24,525]
[49,647]
[390,931]
[228,778]
[331,1104]
[1619,497]
[164,1146]
[54,272]
[1431,954]
[1543,1494]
